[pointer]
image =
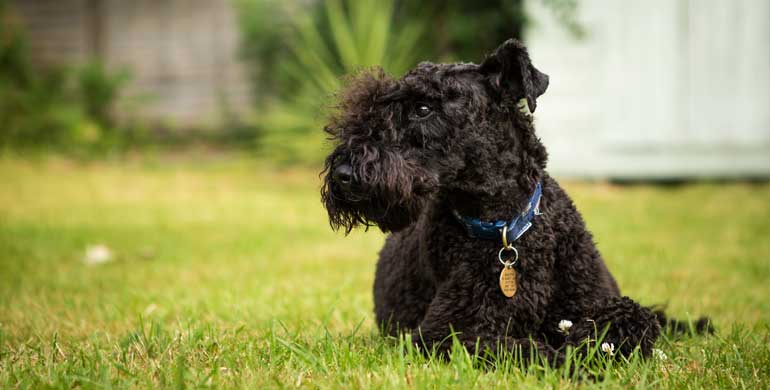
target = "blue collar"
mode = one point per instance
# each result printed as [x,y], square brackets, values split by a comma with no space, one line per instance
[514,228]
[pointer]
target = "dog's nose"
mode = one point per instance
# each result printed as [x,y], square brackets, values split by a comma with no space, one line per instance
[343,175]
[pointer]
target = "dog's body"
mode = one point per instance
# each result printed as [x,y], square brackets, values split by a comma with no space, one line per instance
[426,279]
[454,140]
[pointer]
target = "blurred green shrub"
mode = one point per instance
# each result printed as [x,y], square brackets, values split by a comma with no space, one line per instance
[99,89]
[56,108]
[296,81]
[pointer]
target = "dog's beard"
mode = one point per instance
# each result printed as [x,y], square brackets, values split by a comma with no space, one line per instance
[388,191]
[389,214]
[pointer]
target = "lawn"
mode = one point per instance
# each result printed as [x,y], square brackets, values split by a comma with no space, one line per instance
[225,273]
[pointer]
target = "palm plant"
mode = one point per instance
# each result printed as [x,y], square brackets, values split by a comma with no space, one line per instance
[348,36]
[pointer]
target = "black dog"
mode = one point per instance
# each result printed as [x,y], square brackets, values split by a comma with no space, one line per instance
[484,242]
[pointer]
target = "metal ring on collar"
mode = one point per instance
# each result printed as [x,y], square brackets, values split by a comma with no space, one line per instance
[504,232]
[508,263]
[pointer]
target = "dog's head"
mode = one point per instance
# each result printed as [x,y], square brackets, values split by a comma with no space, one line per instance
[399,142]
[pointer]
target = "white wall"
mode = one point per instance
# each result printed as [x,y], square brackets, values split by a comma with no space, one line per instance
[657,88]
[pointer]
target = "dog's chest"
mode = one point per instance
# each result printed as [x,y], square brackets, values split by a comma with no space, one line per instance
[447,253]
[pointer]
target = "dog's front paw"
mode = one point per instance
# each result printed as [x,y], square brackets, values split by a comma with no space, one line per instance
[620,325]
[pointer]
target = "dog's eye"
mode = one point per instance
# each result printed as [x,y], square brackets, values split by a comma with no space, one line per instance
[422,110]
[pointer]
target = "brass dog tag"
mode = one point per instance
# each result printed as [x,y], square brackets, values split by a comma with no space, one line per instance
[508,281]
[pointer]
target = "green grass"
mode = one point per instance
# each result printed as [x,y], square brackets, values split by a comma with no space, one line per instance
[226,274]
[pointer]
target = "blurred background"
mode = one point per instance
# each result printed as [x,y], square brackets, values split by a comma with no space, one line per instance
[661,89]
[160,219]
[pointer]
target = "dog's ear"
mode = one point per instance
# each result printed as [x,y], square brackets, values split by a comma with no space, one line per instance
[510,71]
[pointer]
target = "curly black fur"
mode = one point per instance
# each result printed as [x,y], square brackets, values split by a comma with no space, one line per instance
[449,137]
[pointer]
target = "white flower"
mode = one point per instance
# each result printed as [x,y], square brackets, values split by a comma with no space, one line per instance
[564,326]
[608,348]
[659,354]
[97,254]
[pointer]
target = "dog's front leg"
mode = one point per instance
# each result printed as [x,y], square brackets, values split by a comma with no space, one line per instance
[480,324]
[485,343]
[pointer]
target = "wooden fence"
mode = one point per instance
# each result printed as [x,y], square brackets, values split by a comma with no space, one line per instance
[182,54]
